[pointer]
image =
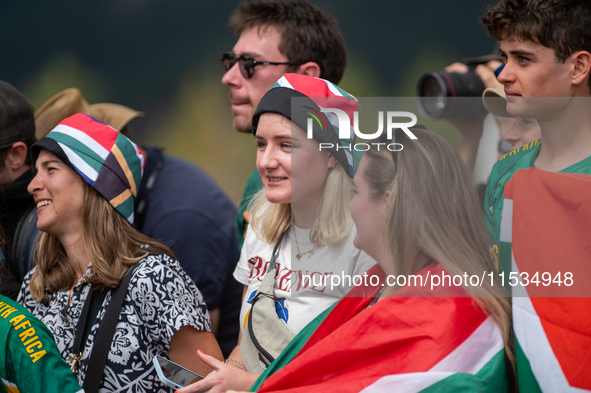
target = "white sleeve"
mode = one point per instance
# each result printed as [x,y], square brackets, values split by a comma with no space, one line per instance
[242,271]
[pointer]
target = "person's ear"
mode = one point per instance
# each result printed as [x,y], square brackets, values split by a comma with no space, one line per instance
[386,201]
[332,161]
[582,67]
[17,155]
[310,68]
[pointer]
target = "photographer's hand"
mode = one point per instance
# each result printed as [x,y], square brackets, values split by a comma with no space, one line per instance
[486,73]
[470,127]
[460,68]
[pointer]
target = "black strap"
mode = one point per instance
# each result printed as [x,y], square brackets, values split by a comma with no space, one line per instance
[277,245]
[142,198]
[92,305]
[104,335]
[377,296]
[23,242]
[262,351]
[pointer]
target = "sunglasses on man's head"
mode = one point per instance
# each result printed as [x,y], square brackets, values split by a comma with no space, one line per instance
[247,63]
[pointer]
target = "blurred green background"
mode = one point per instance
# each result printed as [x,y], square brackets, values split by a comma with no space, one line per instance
[162,58]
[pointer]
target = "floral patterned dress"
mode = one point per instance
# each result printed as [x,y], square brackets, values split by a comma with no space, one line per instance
[160,299]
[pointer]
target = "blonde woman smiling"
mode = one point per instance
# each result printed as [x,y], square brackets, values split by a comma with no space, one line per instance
[301,231]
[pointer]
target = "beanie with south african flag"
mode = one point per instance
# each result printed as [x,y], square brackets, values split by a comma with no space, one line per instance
[301,98]
[106,159]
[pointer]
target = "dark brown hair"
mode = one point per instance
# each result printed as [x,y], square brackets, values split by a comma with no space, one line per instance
[561,25]
[307,33]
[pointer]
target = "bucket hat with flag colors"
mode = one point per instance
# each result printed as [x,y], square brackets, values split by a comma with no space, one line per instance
[107,160]
[301,99]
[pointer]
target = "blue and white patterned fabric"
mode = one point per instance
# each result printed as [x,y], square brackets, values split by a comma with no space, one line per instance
[160,299]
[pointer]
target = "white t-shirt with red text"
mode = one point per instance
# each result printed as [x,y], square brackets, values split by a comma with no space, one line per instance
[307,284]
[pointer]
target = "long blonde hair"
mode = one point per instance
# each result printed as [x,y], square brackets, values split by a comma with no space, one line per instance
[111,243]
[433,209]
[333,220]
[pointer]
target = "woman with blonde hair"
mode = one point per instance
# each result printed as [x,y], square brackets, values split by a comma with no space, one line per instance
[301,231]
[90,257]
[418,215]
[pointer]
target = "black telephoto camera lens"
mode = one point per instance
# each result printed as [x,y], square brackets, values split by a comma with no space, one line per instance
[440,94]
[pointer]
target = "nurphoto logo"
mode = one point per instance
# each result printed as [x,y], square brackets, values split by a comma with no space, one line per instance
[340,117]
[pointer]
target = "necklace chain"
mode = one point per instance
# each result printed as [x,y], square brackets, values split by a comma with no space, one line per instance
[299,255]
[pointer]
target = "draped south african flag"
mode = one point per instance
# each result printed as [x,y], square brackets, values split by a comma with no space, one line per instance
[546,229]
[399,344]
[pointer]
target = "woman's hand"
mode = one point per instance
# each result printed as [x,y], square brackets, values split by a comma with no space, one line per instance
[184,345]
[223,378]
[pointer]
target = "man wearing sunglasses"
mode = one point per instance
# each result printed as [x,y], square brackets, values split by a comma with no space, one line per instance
[276,37]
